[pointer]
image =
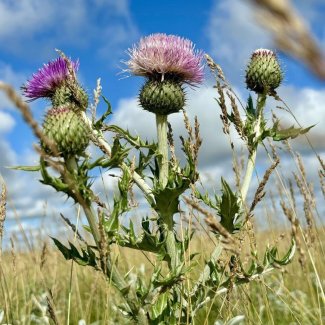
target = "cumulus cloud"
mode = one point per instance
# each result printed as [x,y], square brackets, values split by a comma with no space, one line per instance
[232,38]
[7,122]
[12,77]
[201,102]
[233,35]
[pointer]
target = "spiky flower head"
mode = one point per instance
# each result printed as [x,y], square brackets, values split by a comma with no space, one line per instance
[263,73]
[162,97]
[46,80]
[167,61]
[161,56]
[67,130]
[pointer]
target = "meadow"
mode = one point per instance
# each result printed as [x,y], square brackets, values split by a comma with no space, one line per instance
[164,246]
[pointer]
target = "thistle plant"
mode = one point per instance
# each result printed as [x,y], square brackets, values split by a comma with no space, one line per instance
[167,62]
[173,293]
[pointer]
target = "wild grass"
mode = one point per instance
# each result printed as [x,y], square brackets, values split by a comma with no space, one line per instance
[31,282]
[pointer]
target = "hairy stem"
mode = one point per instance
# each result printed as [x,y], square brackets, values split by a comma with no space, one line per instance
[163,161]
[162,127]
[253,150]
[117,278]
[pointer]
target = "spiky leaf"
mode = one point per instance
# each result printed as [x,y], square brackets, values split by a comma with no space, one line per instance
[228,208]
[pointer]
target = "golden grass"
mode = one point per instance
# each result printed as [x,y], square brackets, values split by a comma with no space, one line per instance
[30,282]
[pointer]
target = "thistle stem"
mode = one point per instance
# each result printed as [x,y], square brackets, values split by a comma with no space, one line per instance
[253,150]
[117,279]
[163,161]
[246,182]
[99,140]
[162,126]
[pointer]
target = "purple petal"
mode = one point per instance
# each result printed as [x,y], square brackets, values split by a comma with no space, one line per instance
[160,55]
[44,82]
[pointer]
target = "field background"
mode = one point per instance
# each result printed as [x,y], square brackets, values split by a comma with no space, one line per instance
[37,286]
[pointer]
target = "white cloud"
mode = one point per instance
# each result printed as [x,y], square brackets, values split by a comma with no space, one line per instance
[201,102]
[308,106]
[12,77]
[6,122]
[234,35]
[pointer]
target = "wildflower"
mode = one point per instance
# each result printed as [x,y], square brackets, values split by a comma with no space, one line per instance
[263,73]
[161,56]
[51,76]
[167,61]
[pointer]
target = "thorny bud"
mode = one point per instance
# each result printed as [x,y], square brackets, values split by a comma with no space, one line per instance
[263,73]
[64,96]
[67,130]
[162,97]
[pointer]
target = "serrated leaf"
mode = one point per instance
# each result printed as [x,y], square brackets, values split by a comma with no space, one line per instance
[118,154]
[228,208]
[26,168]
[287,258]
[133,140]
[86,257]
[290,133]
[250,110]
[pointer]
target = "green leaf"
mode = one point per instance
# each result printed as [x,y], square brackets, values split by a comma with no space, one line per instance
[206,199]
[167,199]
[250,110]
[26,168]
[133,140]
[159,307]
[119,153]
[99,123]
[229,208]
[86,257]
[271,255]
[290,133]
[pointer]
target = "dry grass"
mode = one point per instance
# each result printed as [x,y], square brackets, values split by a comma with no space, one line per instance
[38,283]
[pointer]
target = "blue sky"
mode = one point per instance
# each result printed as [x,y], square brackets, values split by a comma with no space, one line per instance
[99,32]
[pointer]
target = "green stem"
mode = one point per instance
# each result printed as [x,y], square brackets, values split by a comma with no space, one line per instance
[170,241]
[162,126]
[117,279]
[253,150]
[99,140]
[163,161]
[245,186]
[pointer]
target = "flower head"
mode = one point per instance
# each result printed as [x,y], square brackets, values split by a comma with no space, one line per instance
[47,79]
[263,73]
[161,56]
[67,130]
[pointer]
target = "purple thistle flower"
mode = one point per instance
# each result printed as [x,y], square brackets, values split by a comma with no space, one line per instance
[159,56]
[45,81]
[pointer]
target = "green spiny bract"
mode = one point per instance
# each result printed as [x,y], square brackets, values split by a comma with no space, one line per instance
[64,96]
[162,97]
[67,130]
[263,73]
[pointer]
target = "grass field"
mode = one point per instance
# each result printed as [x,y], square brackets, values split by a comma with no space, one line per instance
[40,285]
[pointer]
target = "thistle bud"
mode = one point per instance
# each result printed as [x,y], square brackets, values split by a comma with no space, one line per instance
[263,73]
[64,96]
[67,130]
[162,97]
